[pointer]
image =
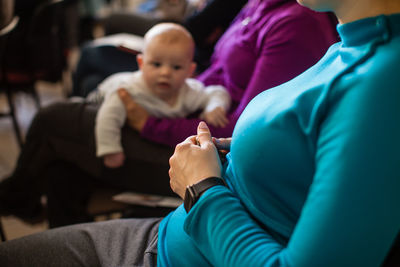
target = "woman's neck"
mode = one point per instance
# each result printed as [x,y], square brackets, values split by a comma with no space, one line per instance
[351,10]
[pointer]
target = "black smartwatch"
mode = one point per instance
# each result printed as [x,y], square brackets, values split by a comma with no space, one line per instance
[193,192]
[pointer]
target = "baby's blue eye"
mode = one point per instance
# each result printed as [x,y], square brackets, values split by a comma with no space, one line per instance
[177,67]
[156,64]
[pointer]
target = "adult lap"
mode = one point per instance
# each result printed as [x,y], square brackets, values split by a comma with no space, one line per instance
[126,242]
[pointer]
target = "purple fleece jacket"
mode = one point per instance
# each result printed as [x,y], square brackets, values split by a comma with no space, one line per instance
[268,43]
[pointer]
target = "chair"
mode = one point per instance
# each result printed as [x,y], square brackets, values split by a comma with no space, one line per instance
[31,50]
[101,205]
[2,235]
[8,23]
[104,202]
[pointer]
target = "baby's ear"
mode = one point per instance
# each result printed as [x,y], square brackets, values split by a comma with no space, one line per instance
[139,60]
[192,69]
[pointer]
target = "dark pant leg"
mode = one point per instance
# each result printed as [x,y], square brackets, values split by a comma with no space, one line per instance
[146,165]
[69,190]
[128,242]
[68,193]
[69,187]
[61,131]
[65,132]
[58,132]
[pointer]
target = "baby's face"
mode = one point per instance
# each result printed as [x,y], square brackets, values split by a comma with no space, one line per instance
[165,66]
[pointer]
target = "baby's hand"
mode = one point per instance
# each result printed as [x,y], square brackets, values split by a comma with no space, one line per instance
[114,160]
[216,117]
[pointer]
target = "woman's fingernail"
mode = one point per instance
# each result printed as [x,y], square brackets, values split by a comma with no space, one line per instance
[202,125]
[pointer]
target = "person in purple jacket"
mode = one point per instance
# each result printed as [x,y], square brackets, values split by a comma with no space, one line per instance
[267,44]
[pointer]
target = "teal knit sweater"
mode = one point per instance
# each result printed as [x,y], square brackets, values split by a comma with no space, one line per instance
[314,167]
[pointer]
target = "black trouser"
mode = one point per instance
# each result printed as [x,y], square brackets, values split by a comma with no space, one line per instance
[64,133]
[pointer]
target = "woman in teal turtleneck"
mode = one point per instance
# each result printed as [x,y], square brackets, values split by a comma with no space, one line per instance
[312,176]
[313,171]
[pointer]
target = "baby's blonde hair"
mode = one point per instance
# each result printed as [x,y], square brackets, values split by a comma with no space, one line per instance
[169,33]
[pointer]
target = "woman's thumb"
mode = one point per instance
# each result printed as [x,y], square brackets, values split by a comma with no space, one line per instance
[203,133]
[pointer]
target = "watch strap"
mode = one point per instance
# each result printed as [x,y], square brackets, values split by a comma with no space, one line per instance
[193,192]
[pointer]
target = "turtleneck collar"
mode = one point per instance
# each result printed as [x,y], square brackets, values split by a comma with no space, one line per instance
[366,30]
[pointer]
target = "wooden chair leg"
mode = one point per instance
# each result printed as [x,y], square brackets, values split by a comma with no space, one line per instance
[2,235]
[35,97]
[17,130]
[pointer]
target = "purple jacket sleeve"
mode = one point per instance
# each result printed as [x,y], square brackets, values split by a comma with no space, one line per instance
[288,48]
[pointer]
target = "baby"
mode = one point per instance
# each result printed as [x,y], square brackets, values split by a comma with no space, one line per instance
[161,85]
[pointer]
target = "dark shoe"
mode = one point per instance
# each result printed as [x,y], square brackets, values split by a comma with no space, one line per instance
[20,204]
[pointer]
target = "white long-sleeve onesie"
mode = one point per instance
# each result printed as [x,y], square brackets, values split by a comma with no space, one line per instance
[193,96]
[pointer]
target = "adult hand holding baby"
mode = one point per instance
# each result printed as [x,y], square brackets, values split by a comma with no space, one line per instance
[136,115]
